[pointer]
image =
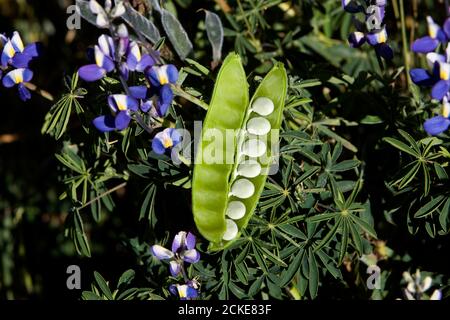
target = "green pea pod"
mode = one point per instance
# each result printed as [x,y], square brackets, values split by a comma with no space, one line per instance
[225,193]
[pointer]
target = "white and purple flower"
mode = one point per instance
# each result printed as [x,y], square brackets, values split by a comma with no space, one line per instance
[121,106]
[183,250]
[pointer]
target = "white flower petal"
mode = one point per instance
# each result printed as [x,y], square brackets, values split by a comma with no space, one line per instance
[254,148]
[231,231]
[102,21]
[249,168]
[95,7]
[407,277]
[263,106]
[242,189]
[236,210]
[258,126]
[408,295]
[426,284]
[411,287]
[437,295]
[118,10]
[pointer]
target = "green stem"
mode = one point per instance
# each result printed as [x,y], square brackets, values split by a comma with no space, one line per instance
[120,186]
[181,93]
[405,42]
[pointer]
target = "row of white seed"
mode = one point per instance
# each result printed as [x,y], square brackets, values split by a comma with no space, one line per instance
[251,149]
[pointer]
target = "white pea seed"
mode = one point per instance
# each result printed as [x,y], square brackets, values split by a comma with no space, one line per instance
[263,106]
[242,189]
[249,168]
[231,231]
[258,126]
[236,210]
[254,148]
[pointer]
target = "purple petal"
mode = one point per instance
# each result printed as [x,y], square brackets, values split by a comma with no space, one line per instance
[436,125]
[164,101]
[440,89]
[33,50]
[176,139]
[105,123]
[158,146]
[179,241]
[122,120]
[191,256]
[21,60]
[191,293]
[106,44]
[172,73]
[190,241]
[424,45]
[8,81]
[385,51]
[91,73]
[139,92]
[161,253]
[24,93]
[146,106]
[356,39]
[446,28]
[173,289]
[351,6]
[146,62]
[124,71]
[175,268]
[421,77]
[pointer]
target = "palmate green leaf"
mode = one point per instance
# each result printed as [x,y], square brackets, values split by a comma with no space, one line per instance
[410,140]
[409,176]
[256,286]
[345,165]
[288,274]
[176,33]
[430,207]
[323,217]
[444,214]
[364,225]
[356,237]
[313,275]
[148,206]
[402,146]
[75,231]
[330,235]
[344,241]
[101,282]
[89,295]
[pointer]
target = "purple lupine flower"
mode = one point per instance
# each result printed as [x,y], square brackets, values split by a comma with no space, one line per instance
[161,77]
[104,60]
[436,35]
[441,122]
[371,30]
[109,53]
[351,6]
[426,78]
[16,54]
[188,291]
[377,39]
[165,140]
[121,106]
[183,250]
[19,77]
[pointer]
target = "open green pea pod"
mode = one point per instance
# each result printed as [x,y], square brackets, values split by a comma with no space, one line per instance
[237,150]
